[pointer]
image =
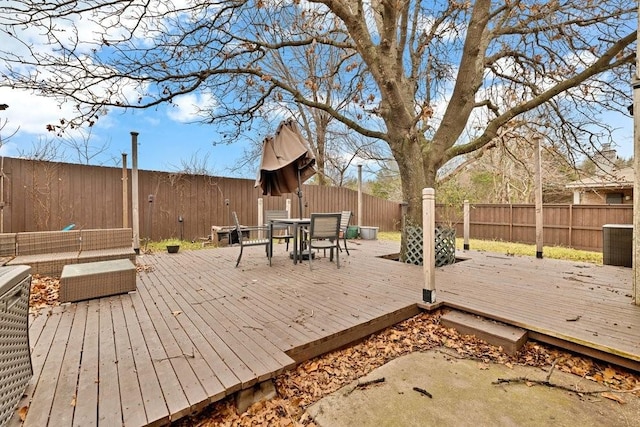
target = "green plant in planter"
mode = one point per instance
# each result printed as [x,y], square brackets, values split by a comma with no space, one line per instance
[173,245]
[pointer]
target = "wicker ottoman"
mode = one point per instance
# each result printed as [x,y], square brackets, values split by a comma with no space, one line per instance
[97,279]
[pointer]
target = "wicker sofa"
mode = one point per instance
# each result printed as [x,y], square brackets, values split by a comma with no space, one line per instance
[47,252]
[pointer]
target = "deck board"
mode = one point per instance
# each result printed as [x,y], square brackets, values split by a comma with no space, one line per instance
[48,379]
[198,329]
[87,393]
[150,389]
[65,392]
[133,412]
[109,398]
[174,397]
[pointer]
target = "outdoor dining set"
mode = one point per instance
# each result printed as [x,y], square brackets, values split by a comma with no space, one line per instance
[319,231]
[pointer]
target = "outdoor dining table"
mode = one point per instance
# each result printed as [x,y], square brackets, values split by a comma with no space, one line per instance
[298,224]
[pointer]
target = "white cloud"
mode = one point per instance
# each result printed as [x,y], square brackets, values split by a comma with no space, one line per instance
[29,112]
[191,107]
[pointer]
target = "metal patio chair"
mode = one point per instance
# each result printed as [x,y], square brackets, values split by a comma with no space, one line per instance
[345,218]
[324,233]
[280,231]
[245,238]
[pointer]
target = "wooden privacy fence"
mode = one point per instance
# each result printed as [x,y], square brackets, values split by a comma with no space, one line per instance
[575,226]
[42,196]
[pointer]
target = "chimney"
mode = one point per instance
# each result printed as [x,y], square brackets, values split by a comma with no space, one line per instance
[605,160]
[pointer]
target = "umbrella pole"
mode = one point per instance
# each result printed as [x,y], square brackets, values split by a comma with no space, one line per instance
[305,253]
[299,194]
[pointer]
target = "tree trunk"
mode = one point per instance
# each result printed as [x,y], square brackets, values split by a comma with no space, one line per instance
[416,174]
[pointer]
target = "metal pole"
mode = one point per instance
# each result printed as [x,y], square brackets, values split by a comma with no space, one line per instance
[359,197]
[538,195]
[125,191]
[299,195]
[149,218]
[261,216]
[428,245]
[466,225]
[134,192]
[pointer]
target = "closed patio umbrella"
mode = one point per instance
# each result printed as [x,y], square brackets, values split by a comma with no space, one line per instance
[287,161]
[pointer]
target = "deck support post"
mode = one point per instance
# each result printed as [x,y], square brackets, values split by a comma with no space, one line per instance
[428,244]
[466,225]
[635,112]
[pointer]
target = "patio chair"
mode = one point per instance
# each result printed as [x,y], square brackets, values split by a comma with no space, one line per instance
[324,233]
[280,231]
[245,239]
[345,218]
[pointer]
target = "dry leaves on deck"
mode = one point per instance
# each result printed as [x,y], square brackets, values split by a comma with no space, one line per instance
[44,293]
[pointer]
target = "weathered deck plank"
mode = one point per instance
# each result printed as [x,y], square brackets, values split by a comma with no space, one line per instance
[174,397]
[133,412]
[109,398]
[66,391]
[87,393]
[154,403]
[44,393]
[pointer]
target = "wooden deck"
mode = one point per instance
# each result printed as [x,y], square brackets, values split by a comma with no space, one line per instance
[199,329]
[583,307]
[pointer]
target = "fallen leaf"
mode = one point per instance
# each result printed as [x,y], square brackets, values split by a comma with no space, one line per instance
[22,413]
[609,373]
[614,397]
[175,313]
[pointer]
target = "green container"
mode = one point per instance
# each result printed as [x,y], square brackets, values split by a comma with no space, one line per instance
[352,232]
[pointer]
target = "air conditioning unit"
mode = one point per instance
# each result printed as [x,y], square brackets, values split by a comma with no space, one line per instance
[617,244]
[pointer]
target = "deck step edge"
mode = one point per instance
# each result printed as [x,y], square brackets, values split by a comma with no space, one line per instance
[510,338]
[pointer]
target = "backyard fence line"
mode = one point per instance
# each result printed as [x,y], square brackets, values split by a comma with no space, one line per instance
[574,226]
[42,196]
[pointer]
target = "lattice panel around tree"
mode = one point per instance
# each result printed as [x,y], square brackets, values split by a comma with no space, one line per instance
[414,245]
[445,246]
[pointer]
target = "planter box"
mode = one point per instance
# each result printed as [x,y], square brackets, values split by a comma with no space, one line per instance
[369,233]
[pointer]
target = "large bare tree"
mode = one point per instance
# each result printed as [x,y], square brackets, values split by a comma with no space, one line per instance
[435,80]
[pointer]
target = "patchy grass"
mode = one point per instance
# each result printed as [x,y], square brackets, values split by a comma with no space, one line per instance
[553,252]
[161,246]
[389,235]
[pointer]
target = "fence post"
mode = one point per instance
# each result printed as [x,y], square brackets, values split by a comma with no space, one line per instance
[428,243]
[466,225]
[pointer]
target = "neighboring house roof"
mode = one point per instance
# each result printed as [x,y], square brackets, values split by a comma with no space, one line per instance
[618,178]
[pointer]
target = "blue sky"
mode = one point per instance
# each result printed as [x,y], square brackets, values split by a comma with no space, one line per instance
[167,135]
